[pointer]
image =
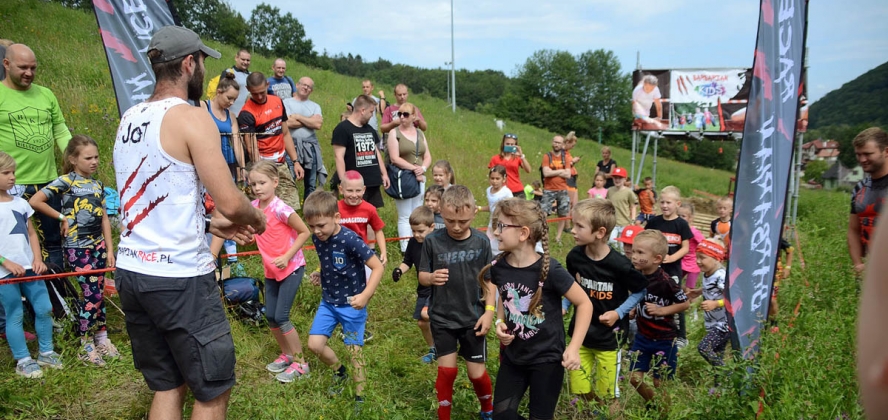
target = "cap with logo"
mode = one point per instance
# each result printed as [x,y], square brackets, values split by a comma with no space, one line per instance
[629,232]
[620,172]
[175,42]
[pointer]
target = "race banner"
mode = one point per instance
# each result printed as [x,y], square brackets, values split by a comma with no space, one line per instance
[126,27]
[705,86]
[764,168]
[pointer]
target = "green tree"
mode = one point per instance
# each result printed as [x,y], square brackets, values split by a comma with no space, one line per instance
[276,35]
[815,169]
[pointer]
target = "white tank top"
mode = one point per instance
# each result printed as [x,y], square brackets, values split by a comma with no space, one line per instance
[161,200]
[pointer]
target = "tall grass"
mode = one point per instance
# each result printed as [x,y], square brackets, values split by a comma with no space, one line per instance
[813,377]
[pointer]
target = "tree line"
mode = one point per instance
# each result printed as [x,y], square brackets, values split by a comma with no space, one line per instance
[555,90]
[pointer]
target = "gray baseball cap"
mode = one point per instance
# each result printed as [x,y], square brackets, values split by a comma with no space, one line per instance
[176,42]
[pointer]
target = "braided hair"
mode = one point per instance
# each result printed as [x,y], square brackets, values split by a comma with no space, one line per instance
[526,214]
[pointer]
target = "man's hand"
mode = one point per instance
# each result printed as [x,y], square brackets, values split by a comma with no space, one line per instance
[609,318]
[224,228]
[297,169]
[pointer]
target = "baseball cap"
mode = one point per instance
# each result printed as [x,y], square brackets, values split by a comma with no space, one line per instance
[620,172]
[629,232]
[176,42]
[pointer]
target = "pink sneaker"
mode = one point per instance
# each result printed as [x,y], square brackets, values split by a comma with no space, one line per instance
[29,336]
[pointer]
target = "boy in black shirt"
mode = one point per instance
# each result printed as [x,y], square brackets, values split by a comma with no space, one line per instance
[422,223]
[450,263]
[655,341]
[613,286]
[678,234]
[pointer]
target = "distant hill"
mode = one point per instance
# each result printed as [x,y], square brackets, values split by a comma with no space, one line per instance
[862,100]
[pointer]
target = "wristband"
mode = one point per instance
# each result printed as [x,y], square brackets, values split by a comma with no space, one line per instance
[61,217]
[498,321]
[721,303]
[2,260]
[490,308]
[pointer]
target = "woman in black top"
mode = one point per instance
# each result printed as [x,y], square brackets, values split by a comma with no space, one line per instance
[606,165]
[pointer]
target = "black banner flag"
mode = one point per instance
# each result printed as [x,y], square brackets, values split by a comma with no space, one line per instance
[764,168]
[126,27]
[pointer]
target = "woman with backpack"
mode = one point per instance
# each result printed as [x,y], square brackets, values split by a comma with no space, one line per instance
[408,149]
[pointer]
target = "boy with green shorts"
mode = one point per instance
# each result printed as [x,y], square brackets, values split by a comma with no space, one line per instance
[614,286]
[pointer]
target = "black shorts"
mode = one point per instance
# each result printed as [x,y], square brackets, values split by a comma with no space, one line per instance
[373,195]
[472,348]
[179,332]
[421,302]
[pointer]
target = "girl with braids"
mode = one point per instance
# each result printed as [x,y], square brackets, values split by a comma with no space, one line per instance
[529,322]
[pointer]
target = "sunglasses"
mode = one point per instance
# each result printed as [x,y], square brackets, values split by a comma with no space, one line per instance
[403,114]
[511,136]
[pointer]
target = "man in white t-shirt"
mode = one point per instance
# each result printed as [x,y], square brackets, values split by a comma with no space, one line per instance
[644,96]
[304,119]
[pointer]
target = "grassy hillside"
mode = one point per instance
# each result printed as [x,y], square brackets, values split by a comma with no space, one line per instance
[813,378]
[860,101]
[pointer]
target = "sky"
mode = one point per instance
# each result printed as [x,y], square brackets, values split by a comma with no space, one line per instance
[845,39]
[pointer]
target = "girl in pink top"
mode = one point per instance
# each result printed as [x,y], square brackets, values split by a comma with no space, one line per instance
[689,262]
[281,249]
[598,191]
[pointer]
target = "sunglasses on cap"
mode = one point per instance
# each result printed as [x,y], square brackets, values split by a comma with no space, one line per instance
[403,114]
[511,136]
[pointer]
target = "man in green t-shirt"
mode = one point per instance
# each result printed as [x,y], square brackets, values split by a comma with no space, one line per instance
[31,123]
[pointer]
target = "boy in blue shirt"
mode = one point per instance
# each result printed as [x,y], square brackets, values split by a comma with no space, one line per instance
[346,289]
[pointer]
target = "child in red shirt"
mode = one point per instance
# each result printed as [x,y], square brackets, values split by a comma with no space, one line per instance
[356,214]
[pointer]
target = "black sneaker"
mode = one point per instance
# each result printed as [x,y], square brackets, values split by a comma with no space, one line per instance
[338,386]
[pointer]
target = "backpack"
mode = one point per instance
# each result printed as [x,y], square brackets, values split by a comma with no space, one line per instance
[212,85]
[563,158]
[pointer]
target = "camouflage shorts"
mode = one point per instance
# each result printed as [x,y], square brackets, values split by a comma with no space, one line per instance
[286,189]
[563,206]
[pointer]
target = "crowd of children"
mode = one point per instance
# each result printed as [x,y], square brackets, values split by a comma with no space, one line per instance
[638,270]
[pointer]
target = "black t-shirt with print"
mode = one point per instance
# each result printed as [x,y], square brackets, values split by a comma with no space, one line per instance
[360,150]
[608,283]
[537,340]
[675,231]
[608,182]
[662,291]
[411,259]
[457,304]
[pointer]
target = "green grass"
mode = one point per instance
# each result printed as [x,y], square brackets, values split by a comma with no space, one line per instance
[812,378]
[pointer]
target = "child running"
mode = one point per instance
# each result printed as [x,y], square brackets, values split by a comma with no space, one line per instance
[345,288]
[432,200]
[496,192]
[422,223]
[450,263]
[281,249]
[689,268]
[88,245]
[20,256]
[678,235]
[614,288]
[598,190]
[710,254]
[442,174]
[655,341]
[529,322]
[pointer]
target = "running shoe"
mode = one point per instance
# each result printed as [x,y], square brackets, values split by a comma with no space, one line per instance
[279,365]
[89,354]
[29,369]
[52,360]
[294,371]
[108,350]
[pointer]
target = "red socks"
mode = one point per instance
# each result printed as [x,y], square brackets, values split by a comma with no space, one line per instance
[484,391]
[444,387]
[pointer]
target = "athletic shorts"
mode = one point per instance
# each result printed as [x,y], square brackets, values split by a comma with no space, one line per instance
[598,367]
[179,332]
[373,195]
[645,351]
[353,322]
[472,348]
[550,196]
[422,302]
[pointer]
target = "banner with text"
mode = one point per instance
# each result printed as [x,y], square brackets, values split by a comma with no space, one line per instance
[764,168]
[126,27]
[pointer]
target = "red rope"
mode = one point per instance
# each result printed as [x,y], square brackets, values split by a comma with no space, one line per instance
[17,280]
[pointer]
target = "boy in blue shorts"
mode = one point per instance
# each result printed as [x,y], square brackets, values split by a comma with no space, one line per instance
[655,341]
[345,287]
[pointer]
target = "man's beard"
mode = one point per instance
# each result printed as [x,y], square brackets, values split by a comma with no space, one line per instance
[195,85]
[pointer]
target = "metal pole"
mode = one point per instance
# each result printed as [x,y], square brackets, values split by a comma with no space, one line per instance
[647,141]
[599,135]
[654,174]
[795,194]
[448,85]
[452,60]
[634,149]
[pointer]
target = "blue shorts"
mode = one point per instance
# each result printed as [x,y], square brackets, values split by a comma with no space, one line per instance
[645,351]
[353,322]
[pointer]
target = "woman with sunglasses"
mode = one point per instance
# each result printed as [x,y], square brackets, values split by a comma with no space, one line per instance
[407,149]
[511,157]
